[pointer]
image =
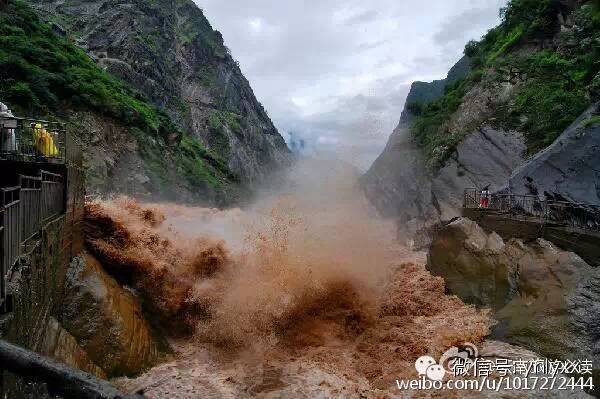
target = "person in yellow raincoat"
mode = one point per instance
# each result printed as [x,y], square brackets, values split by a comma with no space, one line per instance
[44,142]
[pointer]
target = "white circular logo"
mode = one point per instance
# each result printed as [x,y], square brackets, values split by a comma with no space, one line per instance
[436,372]
[423,363]
[426,365]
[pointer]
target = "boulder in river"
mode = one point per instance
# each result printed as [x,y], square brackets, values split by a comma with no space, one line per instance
[58,344]
[107,320]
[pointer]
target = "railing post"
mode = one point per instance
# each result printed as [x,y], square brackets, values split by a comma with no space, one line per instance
[61,379]
[2,264]
[11,234]
[65,144]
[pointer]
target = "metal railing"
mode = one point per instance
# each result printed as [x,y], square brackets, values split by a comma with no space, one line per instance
[11,234]
[32,140]
[2,273]
[60,380]
[581,216]
[52,191]
[31,195]
[572,214]
[23,211]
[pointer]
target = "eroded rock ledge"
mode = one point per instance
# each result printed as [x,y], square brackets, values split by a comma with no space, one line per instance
[543,298]
[107,320]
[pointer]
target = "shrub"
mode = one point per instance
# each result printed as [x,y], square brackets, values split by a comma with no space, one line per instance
[42,72]
[548,108]
[504,42]
[536,17]
[415,107]
[594,120]
[472,49]
[428,126]
[554,87]
[201,165]
[20,92]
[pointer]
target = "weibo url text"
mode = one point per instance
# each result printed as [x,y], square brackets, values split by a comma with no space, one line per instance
[501,384]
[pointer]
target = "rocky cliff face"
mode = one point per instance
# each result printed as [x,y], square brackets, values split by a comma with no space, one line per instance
[399,185]
[567,169]
[402,186]
[526,82]
[107,320]
[174,110]
[543,298]
[168,50]
[430,91]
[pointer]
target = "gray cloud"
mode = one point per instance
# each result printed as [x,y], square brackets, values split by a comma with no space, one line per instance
[363,17]
[371,45]
[337,73]
[460,27]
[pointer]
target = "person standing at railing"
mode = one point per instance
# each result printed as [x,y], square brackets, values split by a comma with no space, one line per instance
[484,201]
[44,142]
[8,140]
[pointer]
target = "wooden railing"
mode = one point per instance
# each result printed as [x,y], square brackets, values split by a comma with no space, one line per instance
[572,214]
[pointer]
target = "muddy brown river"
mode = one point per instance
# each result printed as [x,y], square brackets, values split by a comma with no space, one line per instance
[304,294]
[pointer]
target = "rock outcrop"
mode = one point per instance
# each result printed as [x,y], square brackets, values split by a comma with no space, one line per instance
[493,350]
[568,169]
[58,344]
[402,185]
[477,127]
[107,320]
[544,299]
[168,50]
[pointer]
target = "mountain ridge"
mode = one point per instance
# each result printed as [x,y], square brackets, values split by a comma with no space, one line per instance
[529,79]
[160,107]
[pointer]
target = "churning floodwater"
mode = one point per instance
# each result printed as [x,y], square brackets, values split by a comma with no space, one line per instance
[306,293]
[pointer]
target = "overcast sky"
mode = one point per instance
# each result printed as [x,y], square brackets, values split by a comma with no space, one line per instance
[337,73]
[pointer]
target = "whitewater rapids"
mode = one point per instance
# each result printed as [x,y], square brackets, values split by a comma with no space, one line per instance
[304,294]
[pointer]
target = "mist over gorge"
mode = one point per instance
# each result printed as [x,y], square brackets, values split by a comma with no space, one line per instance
[216,246]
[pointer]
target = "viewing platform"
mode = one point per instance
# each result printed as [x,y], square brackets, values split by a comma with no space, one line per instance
[32,140]
[42,193]
[572,226]
[530,207]
[35,171]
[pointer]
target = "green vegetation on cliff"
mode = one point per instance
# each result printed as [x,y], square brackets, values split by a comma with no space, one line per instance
[430,118]
[554,73]
[42,73]
[556,79]
[168,51]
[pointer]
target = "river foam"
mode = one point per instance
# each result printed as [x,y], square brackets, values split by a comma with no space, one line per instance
[307,271]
